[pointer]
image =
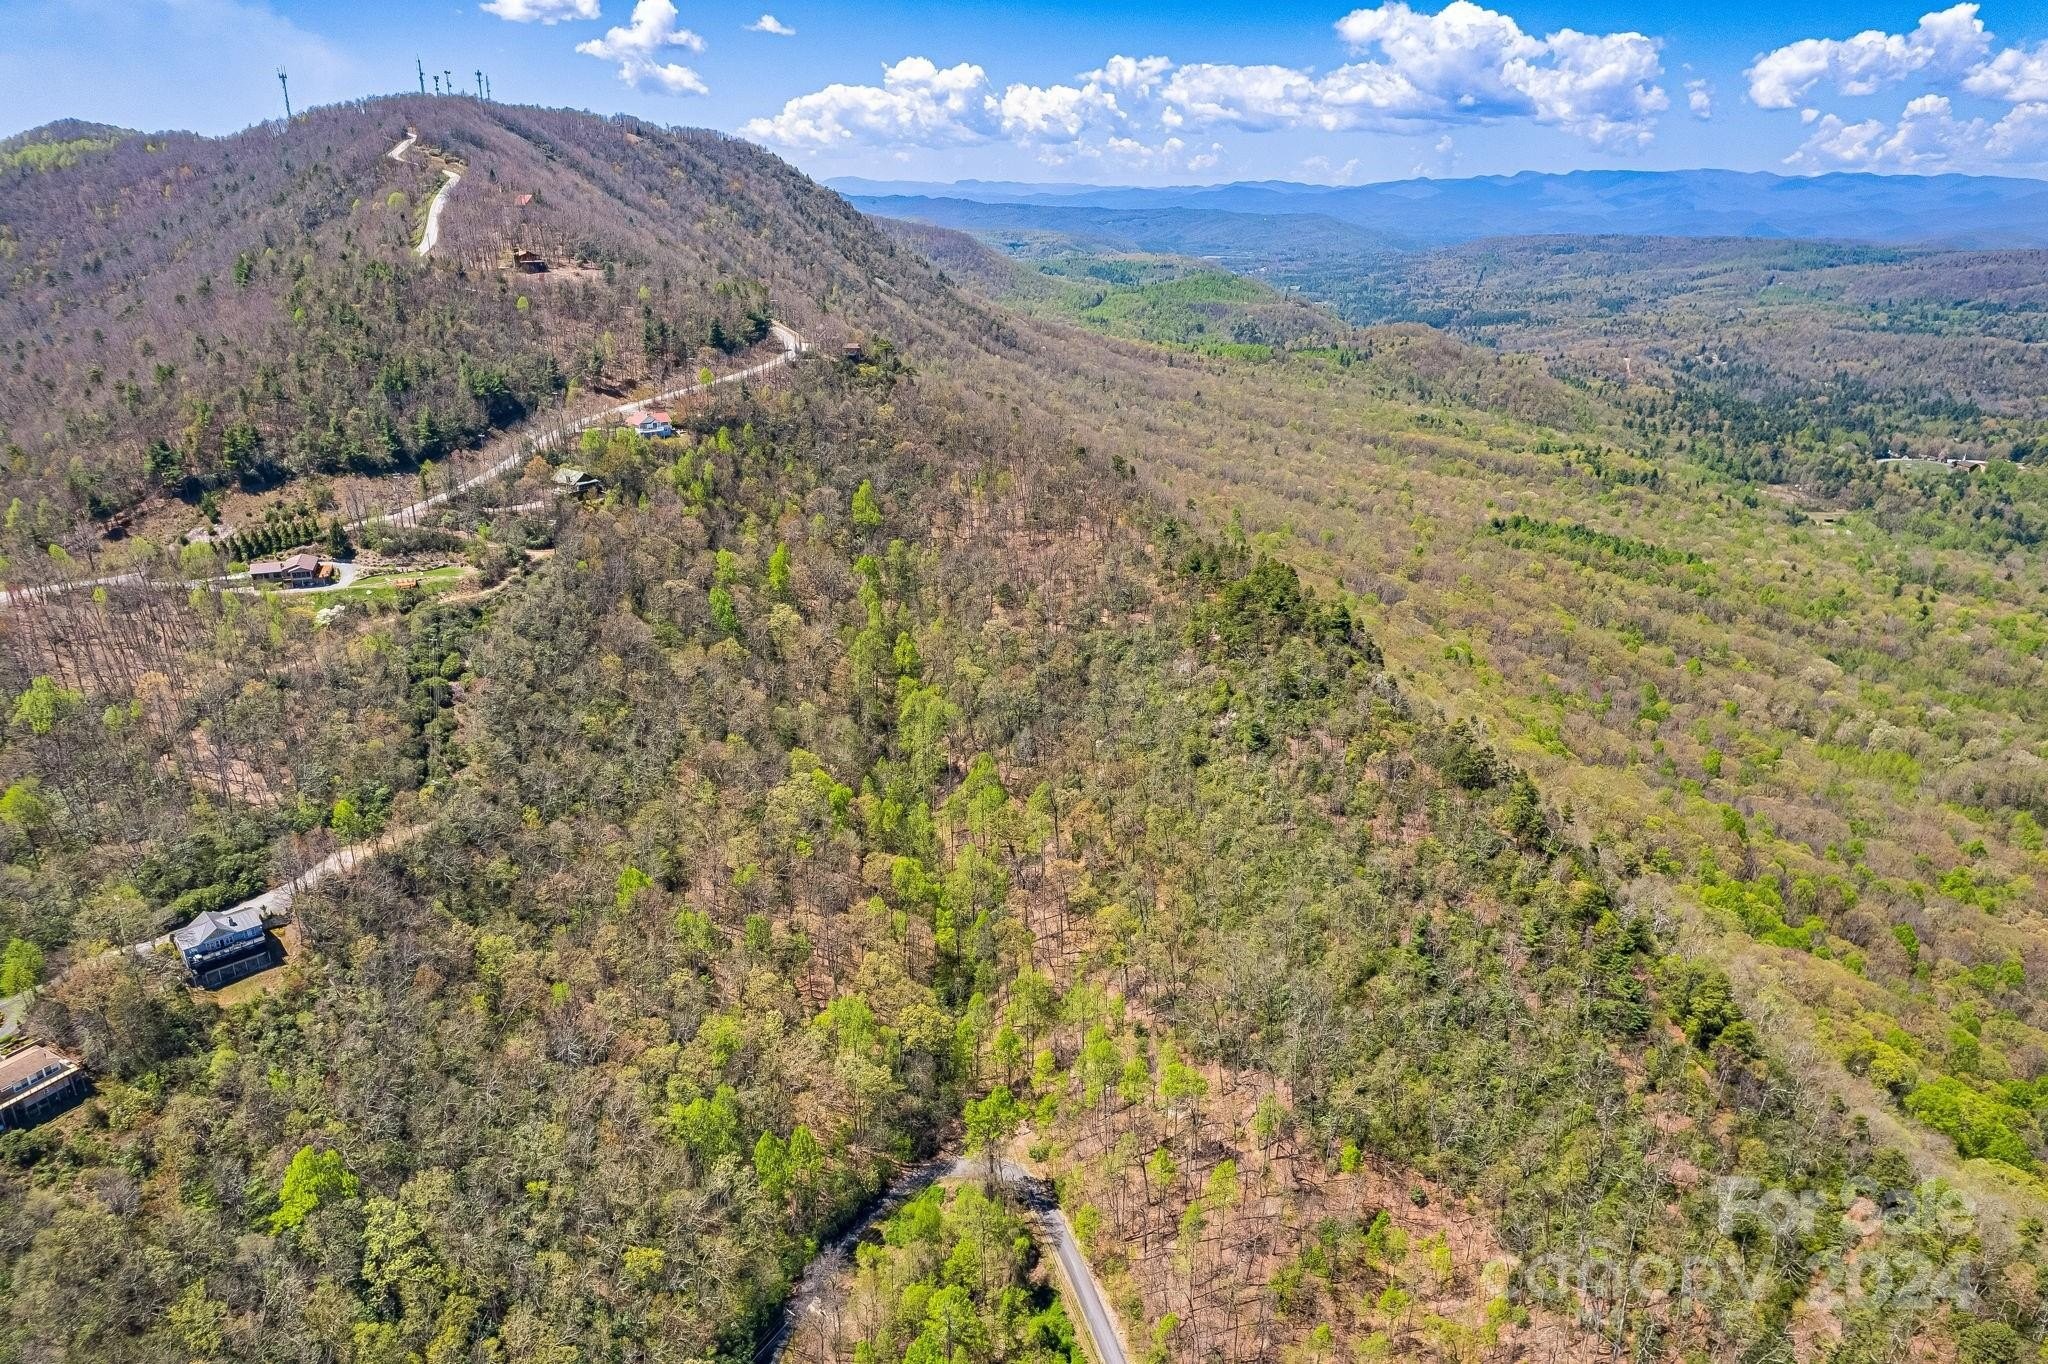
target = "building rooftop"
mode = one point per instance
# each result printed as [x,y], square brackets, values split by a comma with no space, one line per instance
[25,1069]
[219,923]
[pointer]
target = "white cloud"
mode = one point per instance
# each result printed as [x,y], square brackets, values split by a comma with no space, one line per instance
[1944,43]
[921,104]
[1465,63]
[768,23]
[2018,75]
[1140,75]
[918,104]
[542,11]
[1699,98]
[1172,154]
[1952,52]
[1261,98]
[1055,113]
[1928,136]
[638,46]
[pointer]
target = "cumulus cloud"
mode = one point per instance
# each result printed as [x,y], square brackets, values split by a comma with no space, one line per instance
[1927,136]
[1263,98]
[1944,43]
[1054,113]
[1325,171]
[1699,98]
[918,104]
[768,23]
[639,46]
[922,104]
[2018,75]
[1140,75]
[1950,51]
[1411,70]
[541,11]
[1465,63]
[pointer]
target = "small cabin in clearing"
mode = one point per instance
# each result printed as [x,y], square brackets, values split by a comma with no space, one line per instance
[576,481]
[529,263]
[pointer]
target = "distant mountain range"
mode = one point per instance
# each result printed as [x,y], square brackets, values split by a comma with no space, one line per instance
[1980,212]
[1242,240]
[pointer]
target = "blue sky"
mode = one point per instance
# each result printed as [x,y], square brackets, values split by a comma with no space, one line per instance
[1118,91]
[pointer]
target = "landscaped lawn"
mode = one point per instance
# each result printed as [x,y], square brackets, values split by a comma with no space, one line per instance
[385,586]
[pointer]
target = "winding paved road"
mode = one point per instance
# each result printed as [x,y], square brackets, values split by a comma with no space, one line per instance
[792,346]
[821,1278]
[1083,1291]
[432,235]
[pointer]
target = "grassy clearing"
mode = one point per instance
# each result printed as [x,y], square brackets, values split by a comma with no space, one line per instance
[386,587]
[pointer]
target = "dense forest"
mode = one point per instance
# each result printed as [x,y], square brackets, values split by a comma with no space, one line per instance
[1161,778]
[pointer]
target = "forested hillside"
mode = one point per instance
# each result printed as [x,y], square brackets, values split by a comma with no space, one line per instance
[191,314]
[1810,742]
[1159,763]
[1797,362]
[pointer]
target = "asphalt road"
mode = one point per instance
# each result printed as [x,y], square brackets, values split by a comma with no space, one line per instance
[1055,1231]
[792,346]
[432,236]
[820,1280]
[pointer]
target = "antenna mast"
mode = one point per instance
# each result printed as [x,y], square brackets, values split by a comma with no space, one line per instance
[437,85]
[421,68]
[285,86]
[479,82]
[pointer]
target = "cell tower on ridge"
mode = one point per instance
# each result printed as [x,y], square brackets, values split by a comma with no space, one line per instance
[285,86]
